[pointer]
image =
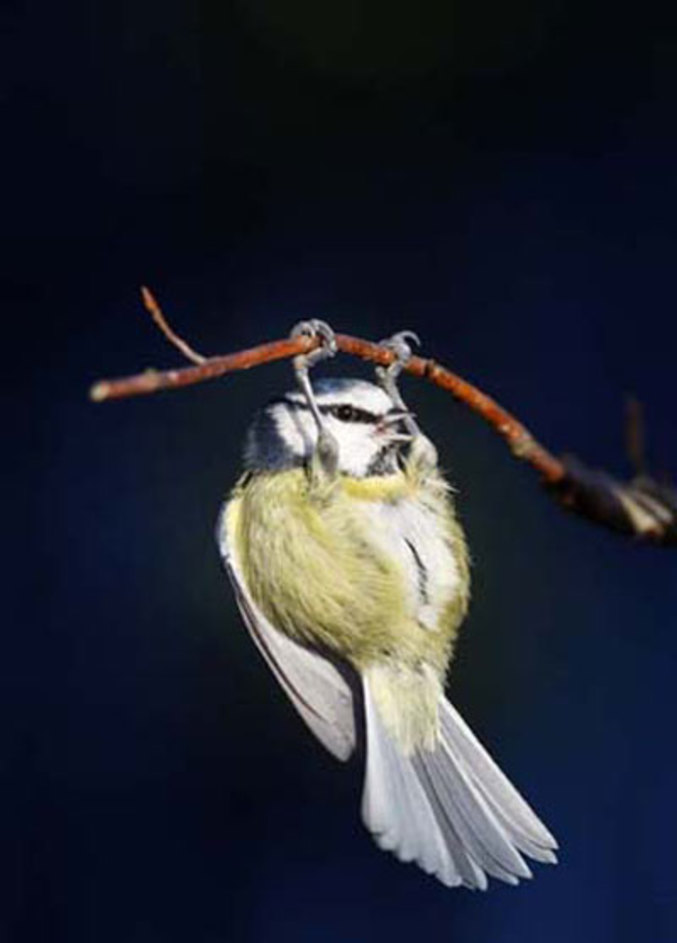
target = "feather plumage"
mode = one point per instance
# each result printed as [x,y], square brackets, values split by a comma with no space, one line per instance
[447,806]
[316,688]
[363,575]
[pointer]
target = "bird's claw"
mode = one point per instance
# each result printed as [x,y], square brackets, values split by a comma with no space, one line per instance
[401,348]
[317,330]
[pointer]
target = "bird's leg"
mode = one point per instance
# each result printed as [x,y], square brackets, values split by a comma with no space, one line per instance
[326,449]
[422,451]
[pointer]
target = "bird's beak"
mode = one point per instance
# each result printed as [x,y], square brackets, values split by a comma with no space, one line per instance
[400,438]
[387,426]
[392,417]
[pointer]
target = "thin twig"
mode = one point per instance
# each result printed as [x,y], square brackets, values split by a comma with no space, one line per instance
[634,434]
[156,314]
[642,507]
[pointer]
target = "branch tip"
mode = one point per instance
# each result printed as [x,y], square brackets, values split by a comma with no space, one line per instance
[99,392]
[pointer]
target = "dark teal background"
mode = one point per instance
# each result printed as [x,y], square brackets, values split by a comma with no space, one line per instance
[501,178]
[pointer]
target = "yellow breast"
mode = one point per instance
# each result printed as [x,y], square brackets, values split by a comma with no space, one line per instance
[334,569]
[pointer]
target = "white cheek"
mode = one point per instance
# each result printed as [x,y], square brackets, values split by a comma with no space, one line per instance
[358,446]
[297,431]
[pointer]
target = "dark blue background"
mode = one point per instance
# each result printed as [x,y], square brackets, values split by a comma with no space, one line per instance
[500,177]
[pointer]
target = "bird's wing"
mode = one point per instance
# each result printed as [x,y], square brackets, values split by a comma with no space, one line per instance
[317,689]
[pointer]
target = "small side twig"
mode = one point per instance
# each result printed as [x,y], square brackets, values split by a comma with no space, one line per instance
[642,508]
[634,434]
[156,314]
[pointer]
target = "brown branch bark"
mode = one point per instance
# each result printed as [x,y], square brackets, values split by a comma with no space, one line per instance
[641,508]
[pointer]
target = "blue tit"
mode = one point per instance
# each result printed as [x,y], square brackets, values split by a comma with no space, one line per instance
[351,572]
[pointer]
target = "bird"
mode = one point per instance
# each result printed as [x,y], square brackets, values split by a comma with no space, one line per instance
[351,572]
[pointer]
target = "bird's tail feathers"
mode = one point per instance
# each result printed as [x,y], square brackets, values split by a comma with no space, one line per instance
[447,807]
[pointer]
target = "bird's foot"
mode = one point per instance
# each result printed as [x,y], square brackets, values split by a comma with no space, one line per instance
[326,449]
[317,330]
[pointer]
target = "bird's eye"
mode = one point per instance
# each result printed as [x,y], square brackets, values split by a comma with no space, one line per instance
[345,413]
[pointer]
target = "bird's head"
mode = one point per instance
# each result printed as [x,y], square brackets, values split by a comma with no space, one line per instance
[358,414]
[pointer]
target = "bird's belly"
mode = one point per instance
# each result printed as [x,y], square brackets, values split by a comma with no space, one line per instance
[367,578]
[415,536]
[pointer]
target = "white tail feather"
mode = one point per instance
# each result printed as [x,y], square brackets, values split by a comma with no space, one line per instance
[520,821]
[450,809]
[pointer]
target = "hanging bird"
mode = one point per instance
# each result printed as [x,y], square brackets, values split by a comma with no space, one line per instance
[351,571]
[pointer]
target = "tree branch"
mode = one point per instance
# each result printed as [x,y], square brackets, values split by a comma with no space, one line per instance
[642,508]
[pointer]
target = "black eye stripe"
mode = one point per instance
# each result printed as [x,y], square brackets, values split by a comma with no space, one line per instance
[345,412]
